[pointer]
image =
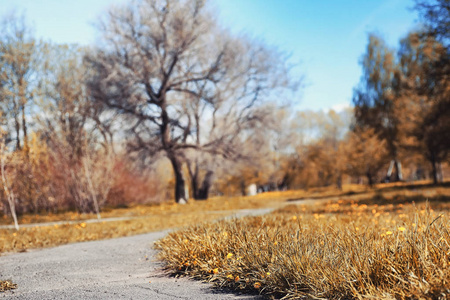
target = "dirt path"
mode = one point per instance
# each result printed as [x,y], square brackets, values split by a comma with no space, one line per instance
[236,213]
[123,268]
[69,222]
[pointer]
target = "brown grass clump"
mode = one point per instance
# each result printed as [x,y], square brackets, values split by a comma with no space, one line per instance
[6,285]
[368,251]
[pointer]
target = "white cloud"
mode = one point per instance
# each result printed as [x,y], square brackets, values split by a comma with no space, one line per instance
[340,107]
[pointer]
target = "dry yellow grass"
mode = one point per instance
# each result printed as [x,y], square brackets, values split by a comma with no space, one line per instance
[48,236]
[7,285]
[149,218]
[269,199]
[164,209]
[355,202]
[169,215]
[337,250]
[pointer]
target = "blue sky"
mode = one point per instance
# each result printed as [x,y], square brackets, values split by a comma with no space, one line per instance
[326,39]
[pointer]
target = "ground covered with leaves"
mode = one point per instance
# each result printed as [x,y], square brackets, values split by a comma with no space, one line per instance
[379,248]
[144,218]
[259,254]
[48,236]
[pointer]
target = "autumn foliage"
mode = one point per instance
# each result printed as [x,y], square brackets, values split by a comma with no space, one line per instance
[80,133]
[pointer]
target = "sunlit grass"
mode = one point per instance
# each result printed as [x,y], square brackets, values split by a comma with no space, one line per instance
[221,203]
[338,250]
[48,236]
[354,225]
[169,215]
[6,285]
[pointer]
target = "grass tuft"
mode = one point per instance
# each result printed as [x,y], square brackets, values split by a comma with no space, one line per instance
[341,250]
[6,285]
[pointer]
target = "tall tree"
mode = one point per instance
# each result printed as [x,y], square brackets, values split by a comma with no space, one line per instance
[426,113]
[180,80]
[436,16]
[376,98]
[18,63]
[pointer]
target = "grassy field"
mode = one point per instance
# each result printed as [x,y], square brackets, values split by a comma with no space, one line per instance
[338,244]
[143,219]
[387,244]
[169,215]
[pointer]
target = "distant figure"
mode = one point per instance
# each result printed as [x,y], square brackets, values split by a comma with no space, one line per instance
[252,190]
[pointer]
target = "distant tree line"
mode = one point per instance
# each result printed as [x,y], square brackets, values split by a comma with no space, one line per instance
[400,128]
[401,114]
[404,97]
[170,105]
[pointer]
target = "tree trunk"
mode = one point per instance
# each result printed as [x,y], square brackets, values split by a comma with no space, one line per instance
[203,193]
[194,179]
[243,188]
[200,193]
[6,187]
[398,170]
[24,129]
[22,102]
[17,127]
[339,182]
[370,178]
[180,192]
[177,165]
[440,176]
[91,188]
[389,172]
[434,168]
[398,166]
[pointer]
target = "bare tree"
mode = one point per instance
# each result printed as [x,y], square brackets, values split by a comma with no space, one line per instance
[79,135]
[97,177]
[180,80]
[18,61]
[251,144]
[7,186]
